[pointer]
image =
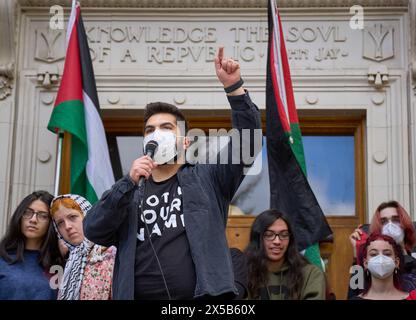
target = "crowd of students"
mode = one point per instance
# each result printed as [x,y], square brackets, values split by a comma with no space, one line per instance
[46,232]
[166,238]
[45,240]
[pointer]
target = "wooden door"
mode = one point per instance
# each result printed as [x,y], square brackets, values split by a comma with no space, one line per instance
[338,253]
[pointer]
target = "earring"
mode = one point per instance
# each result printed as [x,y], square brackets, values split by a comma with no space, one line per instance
[396,271]
[367,273]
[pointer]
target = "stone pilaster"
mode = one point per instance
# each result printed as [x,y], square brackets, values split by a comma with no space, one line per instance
[7,102]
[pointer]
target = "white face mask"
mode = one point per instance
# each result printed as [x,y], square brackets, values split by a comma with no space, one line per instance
[393,230]
[166,149]
[381,266]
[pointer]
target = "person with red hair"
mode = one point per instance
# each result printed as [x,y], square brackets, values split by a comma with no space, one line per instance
[88,272]
[391,219]
[382,259]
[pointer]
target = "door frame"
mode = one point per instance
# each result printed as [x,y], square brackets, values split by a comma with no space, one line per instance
[238,227]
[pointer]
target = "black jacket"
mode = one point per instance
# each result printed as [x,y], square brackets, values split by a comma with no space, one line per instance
[206,190]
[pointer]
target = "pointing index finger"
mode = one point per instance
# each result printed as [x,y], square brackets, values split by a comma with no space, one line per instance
[220,54]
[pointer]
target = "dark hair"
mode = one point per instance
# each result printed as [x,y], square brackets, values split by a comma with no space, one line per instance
[257,259]
[163,107]
[405,222]
[14,240]
[397,276]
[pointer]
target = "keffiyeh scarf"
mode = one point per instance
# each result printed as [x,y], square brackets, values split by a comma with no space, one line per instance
[70,285]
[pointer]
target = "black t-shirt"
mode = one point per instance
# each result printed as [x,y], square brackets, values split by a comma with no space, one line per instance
[164,217]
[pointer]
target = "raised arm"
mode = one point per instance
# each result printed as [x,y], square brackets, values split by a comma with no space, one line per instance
[228,72]
[245,115]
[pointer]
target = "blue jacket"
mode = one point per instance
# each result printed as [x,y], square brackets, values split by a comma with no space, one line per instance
[207,190]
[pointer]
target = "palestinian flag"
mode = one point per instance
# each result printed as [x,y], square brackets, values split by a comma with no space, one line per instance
[289,188]
[76,111]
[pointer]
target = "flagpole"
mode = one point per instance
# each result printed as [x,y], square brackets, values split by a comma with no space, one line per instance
[58,163]
[61,133]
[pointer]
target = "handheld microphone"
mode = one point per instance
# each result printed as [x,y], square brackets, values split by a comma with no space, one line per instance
[149,150]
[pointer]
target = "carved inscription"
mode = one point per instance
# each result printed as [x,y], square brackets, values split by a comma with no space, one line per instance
[153,44]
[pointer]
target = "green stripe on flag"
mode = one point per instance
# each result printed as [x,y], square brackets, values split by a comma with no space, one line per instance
[297,146]
[312,253]
[69,116]
[79,180]
[91,195]
[79,158]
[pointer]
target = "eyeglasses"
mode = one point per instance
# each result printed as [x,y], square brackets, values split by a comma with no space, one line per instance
[271,235]
[40,215]
[394,219]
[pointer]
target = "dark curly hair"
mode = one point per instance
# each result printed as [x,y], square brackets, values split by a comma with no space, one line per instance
[163,107]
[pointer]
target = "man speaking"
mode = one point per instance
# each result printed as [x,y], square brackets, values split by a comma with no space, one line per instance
[170,230]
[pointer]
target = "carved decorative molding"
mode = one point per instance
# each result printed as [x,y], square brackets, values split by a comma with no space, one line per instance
[5,82]
[217,3]
[7,70]
[378,42]
[7,33]
[48,75]
[48,47]
[378,75]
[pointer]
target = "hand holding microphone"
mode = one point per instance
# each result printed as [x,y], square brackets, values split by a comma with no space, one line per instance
[143,166]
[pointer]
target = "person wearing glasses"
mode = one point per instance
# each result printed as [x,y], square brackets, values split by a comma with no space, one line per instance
[28,251]
[390,219]
[276,269]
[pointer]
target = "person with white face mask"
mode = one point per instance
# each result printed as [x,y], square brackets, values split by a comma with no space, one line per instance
[381,266]
[394,230]
[167,150]
[170,230]
[381,259]
[390,219]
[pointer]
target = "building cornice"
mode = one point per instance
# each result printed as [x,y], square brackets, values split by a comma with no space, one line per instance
[217,3]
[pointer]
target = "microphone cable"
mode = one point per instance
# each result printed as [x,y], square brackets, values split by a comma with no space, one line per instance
[151,245]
